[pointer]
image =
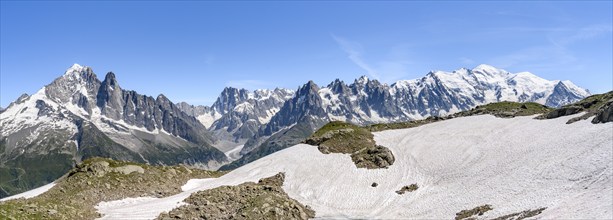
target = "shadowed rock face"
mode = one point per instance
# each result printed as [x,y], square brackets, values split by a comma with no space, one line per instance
[605,113]
[81,87]
[563,112]
[77,116]
[237,114]
[599,105]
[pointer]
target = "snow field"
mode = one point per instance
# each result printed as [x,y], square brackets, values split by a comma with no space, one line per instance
[31,193]
[511,164]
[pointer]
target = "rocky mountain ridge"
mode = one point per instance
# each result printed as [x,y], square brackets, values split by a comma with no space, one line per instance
[367,101]
[78,116]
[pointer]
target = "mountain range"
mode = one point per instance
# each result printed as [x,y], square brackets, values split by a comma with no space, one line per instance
[77,116]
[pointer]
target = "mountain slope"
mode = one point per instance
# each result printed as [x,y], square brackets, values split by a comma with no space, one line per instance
[299,117]
[77,117]
[237,114]
[95,180]
[76,114]
[483,160]
[367,101]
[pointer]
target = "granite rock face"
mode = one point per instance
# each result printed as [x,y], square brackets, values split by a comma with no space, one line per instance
[77,116]
[605,113]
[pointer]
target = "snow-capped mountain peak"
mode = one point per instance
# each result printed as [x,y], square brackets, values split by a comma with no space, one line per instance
[578,90]
[362,80]
[75,68]
[78,74]
[367,101]
[78,116]
[77,104]
[106,104]
[487,69]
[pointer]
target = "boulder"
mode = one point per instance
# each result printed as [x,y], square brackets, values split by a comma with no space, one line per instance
[605,113]
[127,169]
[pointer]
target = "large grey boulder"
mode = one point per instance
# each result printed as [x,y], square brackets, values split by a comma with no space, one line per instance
[605,113]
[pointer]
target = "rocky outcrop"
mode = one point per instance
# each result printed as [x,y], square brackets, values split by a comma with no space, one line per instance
[521,215]
[341,137]
[263,200]
[605,113]
[101,167]
[373,157]
[596,105]
[97,179]
[473,213]
[409,188]
[571,110]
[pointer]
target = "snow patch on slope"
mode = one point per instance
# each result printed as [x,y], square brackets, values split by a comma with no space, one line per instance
[30,193]
[26,114]
[481,160]
[269,113]
[576,89]
[244,107]
[208,119]
[234,153]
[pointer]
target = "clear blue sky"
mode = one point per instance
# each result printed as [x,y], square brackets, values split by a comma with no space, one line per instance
[191,50]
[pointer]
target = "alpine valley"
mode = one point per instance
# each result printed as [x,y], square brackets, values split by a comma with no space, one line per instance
[78,116]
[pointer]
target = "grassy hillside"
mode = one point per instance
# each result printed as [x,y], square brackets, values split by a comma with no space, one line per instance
[52,156]
[75,195]
[498,109]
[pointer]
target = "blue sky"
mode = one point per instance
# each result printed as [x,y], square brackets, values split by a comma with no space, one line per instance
[191,50]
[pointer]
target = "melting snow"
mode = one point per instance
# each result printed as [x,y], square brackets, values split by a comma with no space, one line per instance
[208,119]
[269,113]
[31,193]
[234,153]
[244,107]
[25,114]
[512,164]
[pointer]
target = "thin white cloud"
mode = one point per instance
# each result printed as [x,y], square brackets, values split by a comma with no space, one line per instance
[550,57]
[387,70]
[209,59]
[538,57]
[587,33]
[354,52]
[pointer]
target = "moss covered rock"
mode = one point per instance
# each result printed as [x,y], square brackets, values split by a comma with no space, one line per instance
[409,188]
[345,138]
[470,213]
[600,105]
[263,200]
